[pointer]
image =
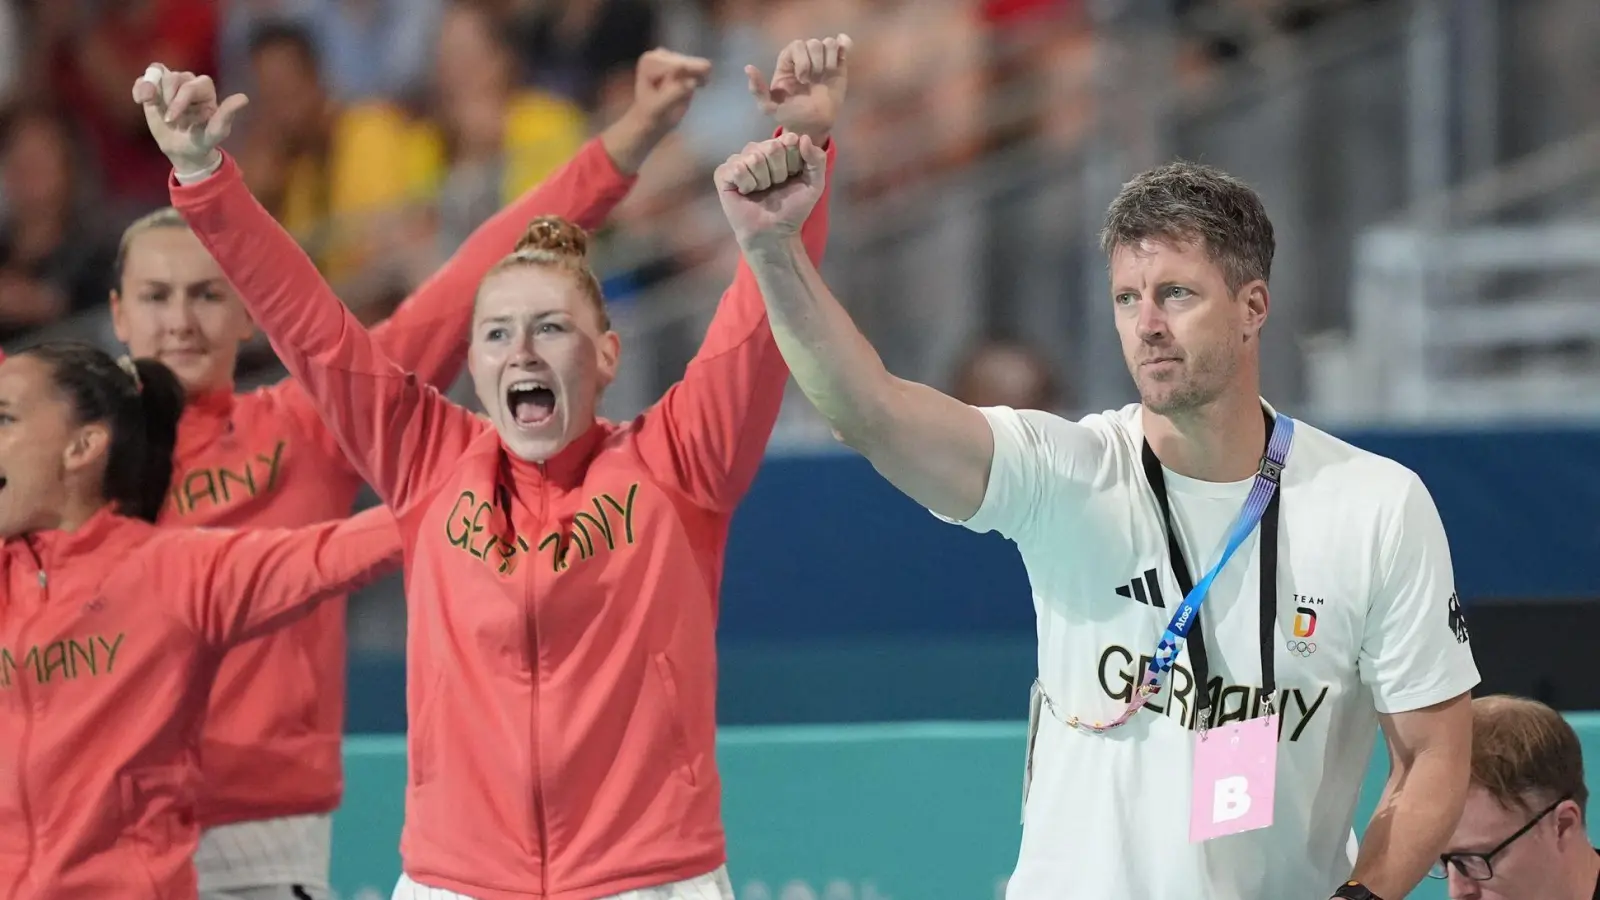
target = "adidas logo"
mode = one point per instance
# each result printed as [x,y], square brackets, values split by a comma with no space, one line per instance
[1145,589]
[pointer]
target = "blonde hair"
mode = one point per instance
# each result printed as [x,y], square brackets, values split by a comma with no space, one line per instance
[555,243]
[165,217]
[1523,749]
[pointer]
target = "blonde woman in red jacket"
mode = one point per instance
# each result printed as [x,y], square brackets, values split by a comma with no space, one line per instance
[562,571]
[111,628]
[272,743]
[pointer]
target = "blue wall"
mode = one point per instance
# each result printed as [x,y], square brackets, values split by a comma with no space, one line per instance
[909,811]
[844,601]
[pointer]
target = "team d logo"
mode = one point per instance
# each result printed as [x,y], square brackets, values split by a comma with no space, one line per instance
[1305,625]
[1305,622]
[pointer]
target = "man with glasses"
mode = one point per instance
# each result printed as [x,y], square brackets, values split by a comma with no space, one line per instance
[1522,834]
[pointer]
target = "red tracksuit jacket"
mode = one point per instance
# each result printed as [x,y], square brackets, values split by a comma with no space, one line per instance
[561,662]
[265,459]
[110,637]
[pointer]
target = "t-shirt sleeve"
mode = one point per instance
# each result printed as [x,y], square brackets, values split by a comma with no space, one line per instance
[1415,650]
[1035,453]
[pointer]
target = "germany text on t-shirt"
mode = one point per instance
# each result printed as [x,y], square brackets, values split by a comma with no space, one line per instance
[1367,623]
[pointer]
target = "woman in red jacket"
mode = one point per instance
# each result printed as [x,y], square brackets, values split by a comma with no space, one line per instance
[562,571]
[111,629]
[272,761]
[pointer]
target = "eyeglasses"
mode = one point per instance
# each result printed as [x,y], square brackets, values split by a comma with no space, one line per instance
[1480,866]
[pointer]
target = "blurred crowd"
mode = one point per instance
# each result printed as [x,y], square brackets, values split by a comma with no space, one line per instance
[381,132]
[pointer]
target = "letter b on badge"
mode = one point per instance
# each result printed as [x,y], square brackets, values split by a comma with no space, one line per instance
[1235,772]
[1230,798]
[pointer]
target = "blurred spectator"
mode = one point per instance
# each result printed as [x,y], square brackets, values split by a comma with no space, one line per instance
[53,260]
[241,20]
[368,49]
[326,172]
[288,127]
[375,49]
[90,52]
[11,44]
[582,48]
[998,372]
[1025,12]
[724,117]
[921,94]
[502,139]
[398,193]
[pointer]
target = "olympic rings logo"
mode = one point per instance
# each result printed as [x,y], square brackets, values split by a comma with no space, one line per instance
[1302,648]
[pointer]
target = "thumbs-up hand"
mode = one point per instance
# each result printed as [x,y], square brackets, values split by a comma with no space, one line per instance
[808,85]
[185,118]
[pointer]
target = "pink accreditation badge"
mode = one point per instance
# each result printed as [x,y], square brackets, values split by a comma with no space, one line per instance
[1235,777]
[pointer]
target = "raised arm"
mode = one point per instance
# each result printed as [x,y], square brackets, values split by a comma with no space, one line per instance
[932,447]
[710,430]
[240,584]
[428,332]
[396,431]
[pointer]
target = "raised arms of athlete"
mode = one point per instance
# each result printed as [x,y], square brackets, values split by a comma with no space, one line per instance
[397,431]
[427,334]
[240,584]
[932,447]
[710,430]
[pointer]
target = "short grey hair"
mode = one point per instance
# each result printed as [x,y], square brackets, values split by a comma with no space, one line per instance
[1186,202]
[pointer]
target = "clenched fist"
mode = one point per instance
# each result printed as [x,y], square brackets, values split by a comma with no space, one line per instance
[185,117]
[768,189]
[664,84]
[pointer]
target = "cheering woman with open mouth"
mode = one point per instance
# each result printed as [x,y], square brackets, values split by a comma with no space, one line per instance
[562,572]
[272,761]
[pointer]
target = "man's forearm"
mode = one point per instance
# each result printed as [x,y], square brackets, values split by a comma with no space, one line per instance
[1414,819]
[837,369]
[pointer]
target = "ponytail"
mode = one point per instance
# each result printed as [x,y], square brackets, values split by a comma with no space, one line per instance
[139,484]
[141,402]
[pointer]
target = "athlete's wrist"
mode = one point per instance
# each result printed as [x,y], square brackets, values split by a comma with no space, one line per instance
[1354,890]
[190,172]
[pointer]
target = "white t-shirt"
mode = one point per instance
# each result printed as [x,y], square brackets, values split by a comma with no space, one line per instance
[1367,622]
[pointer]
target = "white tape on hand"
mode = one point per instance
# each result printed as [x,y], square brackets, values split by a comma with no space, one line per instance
[154,73]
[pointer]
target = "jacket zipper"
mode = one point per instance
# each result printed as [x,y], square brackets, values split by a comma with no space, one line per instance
[541,826]
[25,738]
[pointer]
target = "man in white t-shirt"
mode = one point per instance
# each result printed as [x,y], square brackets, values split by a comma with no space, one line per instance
[1355,623]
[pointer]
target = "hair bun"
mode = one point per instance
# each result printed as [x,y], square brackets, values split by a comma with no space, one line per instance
[553,234]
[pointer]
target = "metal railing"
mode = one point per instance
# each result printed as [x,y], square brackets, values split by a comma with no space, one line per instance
[1433,340]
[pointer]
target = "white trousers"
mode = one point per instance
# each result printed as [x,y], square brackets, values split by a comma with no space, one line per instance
[710,886]
[275,854]
[274,892]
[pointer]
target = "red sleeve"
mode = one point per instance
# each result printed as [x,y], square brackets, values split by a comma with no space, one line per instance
[428,334]
[395,430]
[709,431]
[253,581]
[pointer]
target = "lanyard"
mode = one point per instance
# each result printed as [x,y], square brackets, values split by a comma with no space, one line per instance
[1261,506]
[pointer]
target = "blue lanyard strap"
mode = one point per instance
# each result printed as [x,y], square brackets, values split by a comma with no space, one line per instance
[1260,503]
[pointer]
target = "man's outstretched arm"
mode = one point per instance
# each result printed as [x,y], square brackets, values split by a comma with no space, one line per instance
[934,448]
